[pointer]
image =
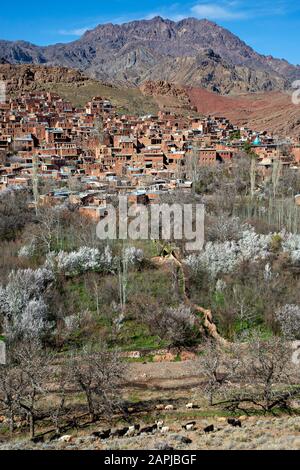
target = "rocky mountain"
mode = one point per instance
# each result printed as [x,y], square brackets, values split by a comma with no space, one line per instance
[188,52]
[209,70]
[21,52]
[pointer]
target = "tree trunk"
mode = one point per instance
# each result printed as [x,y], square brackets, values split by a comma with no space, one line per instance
[31,425]
[11,422]
[91,406]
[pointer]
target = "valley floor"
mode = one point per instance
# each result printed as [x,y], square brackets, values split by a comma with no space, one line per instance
[174,383]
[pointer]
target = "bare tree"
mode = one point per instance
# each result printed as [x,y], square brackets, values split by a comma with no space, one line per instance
[33,363]
[59,411]
[10,388]
[99,376]
[47,230]
[253,174]
[123,280]
[218,367]
[276,171]
[192,164]
[240,173]
[14,212]
[175,325]
[268,368]
[263,371]
[35,181]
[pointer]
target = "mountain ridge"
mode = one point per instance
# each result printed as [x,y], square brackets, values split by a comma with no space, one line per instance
[162,49]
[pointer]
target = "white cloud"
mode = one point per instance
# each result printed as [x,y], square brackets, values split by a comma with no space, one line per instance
[75,31]
[213,11]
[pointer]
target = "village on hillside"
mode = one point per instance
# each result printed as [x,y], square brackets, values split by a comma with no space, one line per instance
[103,153]
[139,342]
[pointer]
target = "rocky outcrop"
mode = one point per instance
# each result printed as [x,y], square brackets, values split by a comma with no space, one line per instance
[20,78]
[159,89]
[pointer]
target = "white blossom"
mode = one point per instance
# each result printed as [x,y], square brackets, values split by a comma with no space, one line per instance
[27,251]
[22,304]
[75,262]
[288,317]
[31,323]
[133,255]
[221,258]
[84,260]
[268,274]
[72,322]
[220,285]
[90,259]
[291,245]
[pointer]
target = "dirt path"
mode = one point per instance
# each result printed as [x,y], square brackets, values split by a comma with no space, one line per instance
[177,375]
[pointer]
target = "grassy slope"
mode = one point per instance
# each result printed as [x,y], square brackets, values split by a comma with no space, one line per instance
[129,100]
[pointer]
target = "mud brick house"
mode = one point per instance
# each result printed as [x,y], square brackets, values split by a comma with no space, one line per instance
[5,143]
[98,105]
[211,156]
[25,143]
[138,197]
[93,212]
[296,153]
[68,150]
[176,160]
[55,135]
[153,157]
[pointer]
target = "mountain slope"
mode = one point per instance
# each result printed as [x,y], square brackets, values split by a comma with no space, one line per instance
[21,52]
[271,111]
[209,70]
[190,52]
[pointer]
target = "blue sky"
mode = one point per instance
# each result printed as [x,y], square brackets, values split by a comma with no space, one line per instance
[269,26]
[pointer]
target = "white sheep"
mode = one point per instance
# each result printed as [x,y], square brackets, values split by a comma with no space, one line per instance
[165,429]
[169,407]
[131,431]
[189,406]
[189,427]
[66,438]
